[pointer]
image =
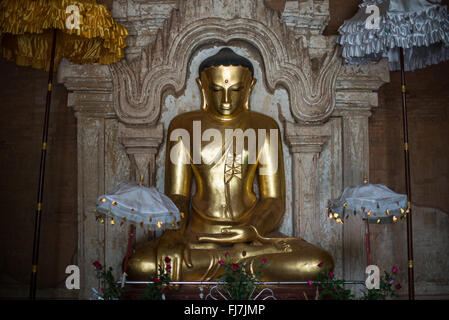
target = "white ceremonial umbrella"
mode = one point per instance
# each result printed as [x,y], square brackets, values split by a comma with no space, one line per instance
[374,203]
[134,203]
[130,202]
[412,34]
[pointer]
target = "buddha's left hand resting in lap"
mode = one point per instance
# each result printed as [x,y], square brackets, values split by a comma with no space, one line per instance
[225,215]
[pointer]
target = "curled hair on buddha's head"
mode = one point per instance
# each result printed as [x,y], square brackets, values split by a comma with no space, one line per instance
[226,57]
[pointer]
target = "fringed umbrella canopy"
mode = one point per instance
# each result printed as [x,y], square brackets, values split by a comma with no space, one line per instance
[381,27]
[374,202]
[26,32]
[134,203]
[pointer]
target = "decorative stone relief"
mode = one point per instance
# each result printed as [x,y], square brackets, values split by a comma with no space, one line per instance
[142,146]
[139,85]
[306,15]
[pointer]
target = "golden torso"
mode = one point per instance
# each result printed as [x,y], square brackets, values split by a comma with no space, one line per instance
[224,178]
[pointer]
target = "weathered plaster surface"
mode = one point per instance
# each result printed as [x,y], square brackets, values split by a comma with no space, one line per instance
[430,247]
[330,185]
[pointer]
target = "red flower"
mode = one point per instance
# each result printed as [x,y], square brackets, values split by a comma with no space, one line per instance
[227,254]
[97,265]
[395,269]
[235,266]
[331,274]
[102,290]
[164,289]
[391,281]
[264,260]
[155,279]
[398,286]
[320,264]
[167,260]
[168,267]
[309,283]
[220,261]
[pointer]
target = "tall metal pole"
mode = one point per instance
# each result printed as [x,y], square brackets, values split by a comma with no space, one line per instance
[411,282]
[37,220]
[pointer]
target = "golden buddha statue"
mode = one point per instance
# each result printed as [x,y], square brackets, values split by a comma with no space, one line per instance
[224,216]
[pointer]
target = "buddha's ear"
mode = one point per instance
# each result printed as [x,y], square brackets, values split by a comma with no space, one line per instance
[251,87]
[203,94]
[253,83]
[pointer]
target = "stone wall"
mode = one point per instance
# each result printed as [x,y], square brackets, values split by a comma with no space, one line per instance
[428,115]
[22,104]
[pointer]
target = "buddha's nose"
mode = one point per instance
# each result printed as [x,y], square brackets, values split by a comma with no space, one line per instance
[226,102]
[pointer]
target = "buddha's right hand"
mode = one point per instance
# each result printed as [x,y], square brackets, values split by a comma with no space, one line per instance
[173,245]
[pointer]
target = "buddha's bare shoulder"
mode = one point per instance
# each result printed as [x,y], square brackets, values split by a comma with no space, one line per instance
[185,120]
[261,120]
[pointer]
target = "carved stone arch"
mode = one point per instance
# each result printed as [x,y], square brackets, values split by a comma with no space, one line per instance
[139,85]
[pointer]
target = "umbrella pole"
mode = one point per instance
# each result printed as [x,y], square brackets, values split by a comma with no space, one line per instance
[367,242]
[411,285]
[132,230]
[37,221]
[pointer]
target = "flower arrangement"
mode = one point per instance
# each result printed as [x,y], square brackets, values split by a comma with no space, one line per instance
[238,282]
[387,287]
[161,280]
[333,289]
[109,289]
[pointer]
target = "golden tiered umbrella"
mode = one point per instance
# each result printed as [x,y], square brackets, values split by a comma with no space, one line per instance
[39,33]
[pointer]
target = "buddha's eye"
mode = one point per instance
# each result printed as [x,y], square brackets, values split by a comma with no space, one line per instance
[216,89]
[236,89]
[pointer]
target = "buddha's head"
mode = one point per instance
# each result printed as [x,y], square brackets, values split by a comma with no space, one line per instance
[226,81]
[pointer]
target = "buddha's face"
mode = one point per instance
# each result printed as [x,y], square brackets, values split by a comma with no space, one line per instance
[226,89]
